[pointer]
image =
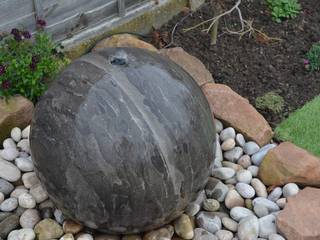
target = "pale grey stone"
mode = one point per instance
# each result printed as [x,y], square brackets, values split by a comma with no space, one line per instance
[238,213]
[290,189]
[16,134]
[234,154]
[267,226]
[240,140]
[227,133]
[244,176]
[9,171]
[245,190]
[209,221]
[259,156]
[275,194]
[223,173]
[271,206]
[251,148]
[248,228]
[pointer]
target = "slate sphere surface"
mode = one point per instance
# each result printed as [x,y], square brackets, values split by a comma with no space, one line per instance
[123,140]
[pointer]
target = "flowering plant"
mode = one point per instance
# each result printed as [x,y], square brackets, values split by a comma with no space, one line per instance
[26,63]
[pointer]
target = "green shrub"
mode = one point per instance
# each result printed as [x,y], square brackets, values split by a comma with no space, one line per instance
[313,58]
[281,9]
[27,63]
[270,101]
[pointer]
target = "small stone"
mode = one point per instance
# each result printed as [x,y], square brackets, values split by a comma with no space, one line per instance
[38,193]
[67,236]
[9,171]
[192,209]
[290,189]
[238,213]
[234,166]
[24,145]
[281,202]
[16,134]
[209,221]
[218,155]
[260,210]
[9,143]
[46,212]
[254,170]
[24,164]
[84,236]
[275,194]
[1,197]
[233,199]
[231,181]
[251,148]
[228,144]
[115,237]
[216,189]
[259,156]
[227,133]
[9,154]
[224,235]
[70,226]
[183,227]
[22,234]
[30,179]
[245,161]
[26,201]
[164,233]
[201,234]
[230,224]
[248,203]
[10,223]
[240,140]
[26,132]
[244,176]
[29,218]
[218,125]
[259,187]
[46,204]
[58,215]
[267,226]
[271,206]
[4,215]
[18,191]
[234,154]
[211,205]
[9,205]
[245,190]
[48,229]
[5,187]
[275,236]
[223,173]
[248,228]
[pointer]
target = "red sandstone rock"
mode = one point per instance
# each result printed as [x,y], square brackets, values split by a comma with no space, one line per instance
[237,112]
[189,63]
[300,220]
[288,163]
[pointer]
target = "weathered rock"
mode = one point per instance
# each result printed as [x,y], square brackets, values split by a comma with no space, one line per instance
[211,205]
[288,163]
[70,226]
[216,189]
[189,63]
[48,229]
[183,227]
[123,40]
[300,219]
[16,113]
[107,237]
[131,237]
[165,233]
[236,111]
[8,224]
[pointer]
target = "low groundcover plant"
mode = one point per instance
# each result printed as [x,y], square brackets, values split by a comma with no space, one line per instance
[312,61]
[281,9]
[27,62]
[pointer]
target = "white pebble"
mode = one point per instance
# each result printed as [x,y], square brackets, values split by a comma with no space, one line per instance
[18,191]
[260,210]
[290,190]
[9,143]
[251,148]
[240,140]
[244,176]
[16,134]
[29,218]
[24,145]
[281,202]
[1,197]
[9,205]
[29,179]
[38,193]
[248,228]
[24,164]
[224,235]
[85,236]
[223,173]
[245,161]
[238,213]
[230,224]
[9,171]
[218,125]
[271,206]
[228,144]
[275,236]
[26,132]
[267,226]
[254,170]
[259,156]
[234,154]
[26,201]
[22,234]
[227,133]
[9,154]
[275,194]
[245,190]
[259,187]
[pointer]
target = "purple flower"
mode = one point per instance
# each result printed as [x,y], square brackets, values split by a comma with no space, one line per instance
[41,23]
[26,34]
[2,69]
[15,31]
[6,85]
[18,38]
[306,62]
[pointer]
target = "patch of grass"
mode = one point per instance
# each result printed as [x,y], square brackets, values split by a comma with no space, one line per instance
[270,101]
[303,127]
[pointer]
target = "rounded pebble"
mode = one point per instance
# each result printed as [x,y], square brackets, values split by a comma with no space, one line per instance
[211,205]
[244,176]
[26,132]
[281,202]
[29,218]
[30,179]
[16,134]
[223,173]
[224,235]
[9,205]
[183,227]
[275,194]
[209,222]
[9,154]
[245,190]
[233,199]
[24,164]
[238,213]
[267,226]
[230,224]
[245,161]
[251,148]
[26,201]
[9,171]
[218,125]
[259,187]
[248,228]
[275,236]
[9,143]
[228,144]
[240,140]
[290,190]
[254,170]
[234,154]
[227,133]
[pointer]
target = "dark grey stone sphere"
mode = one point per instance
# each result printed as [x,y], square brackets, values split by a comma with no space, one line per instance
[123,140]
